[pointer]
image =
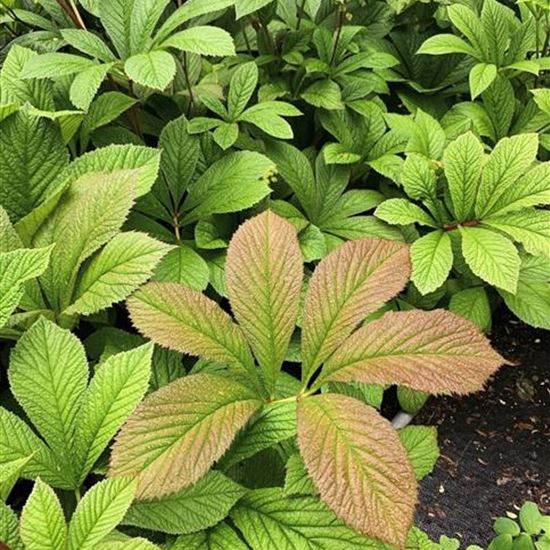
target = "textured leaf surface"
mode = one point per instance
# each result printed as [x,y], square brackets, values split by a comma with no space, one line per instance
[420,442]
[432,259]
[187,321]
[403,212]
[202,40]
[531,303]
[358,464]
[48,374]
[154,69]
[221,537]
[178,432]
[351,282]
[100,511]
[491,256]
[42,525]
[125,263]
[9,532]
[264,278]
[185,266]
[32,155]
[116,389]
[271,521]
[10,472]
[193,509]
[432,351]
[473,304]
[55,64]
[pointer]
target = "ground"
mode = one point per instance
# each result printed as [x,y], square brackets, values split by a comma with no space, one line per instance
[495,445]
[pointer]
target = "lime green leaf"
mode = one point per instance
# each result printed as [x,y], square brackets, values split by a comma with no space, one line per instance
[325,94]
[185,320]
[245,7]
[100,511]
[509,160]
[116,389]
[432,351]
[351,282]
[106,108]
[116,18]
[125,263]
[183,265]
[54,65]
[198,415]
[418,177]
[542,99]
[270,521]
[403,212]
[297,480]
[491,257]
[193,509]
[468,23]
[530,227]
[154,69]
[32,155]
[10,472]
[531,302]
[481,77]
[226,134]
[420,442]
[530,518]
[9,528]
[88,43]
[473,304]
[86,84]
[432,259]
[427,137]
[48,374]
[267,116]
[506,526]
[220,537]
[144,19]
[242,86]
[463,163]
[443,44]
[42,521]
[202,40]
[264,277]
[411,401]
[358,464]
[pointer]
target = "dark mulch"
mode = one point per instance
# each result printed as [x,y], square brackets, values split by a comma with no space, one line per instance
[495,445]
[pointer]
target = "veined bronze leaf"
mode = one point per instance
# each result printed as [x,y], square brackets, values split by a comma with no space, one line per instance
[359,465]
[432,351]
[178,432]
[351,282]
[264,275]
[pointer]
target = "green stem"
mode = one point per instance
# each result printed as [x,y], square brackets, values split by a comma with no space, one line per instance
[341,15]
[300,14]
[188,84]
[77,494]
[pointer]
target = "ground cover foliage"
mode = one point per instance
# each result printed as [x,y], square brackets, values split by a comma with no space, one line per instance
[227,227]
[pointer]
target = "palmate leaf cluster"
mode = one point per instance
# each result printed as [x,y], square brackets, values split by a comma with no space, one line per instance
[226,228]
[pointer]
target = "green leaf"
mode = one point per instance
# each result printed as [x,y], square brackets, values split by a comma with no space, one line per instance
[183,265]
[506,526]
[491,257]
[42,521]
[267,117]
[226,134]
[117,387]
[154,69]
[473,304]
[124,264]
[531,302]
[427,136]
[463,163]
[86,84]
[270,521]
[411,401]
[48,375]
[54,65]
[264,276]
[403,212]
[358,464]
[202,40]
[88,43]
[245,7]
[324,94]
[10,472]
[542,99]
[530,518]
[443,44]
[198,415]
[241,87]
[116,17]
[32,155]
[420,442]
[219,537]
[193,509]
[530,227]
[235,182]
[9,528]
[100,511]
[418,177]
[481,77]
[468,23]
[105,109]
[432,260]
[297,480]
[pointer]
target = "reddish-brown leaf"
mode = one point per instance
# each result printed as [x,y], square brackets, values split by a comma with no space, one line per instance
[432,351]
[264,275]
[351,282]
[359,465]
[177,433]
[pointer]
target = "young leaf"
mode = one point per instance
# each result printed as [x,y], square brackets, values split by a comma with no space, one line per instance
[54,65]
[443,44]
[219,537]
[88,43]
[99,512]
[197,418]
[202,40]
[432,259]
[351,282]
[482,76]
[48,374]
[358,464]
[86,84]
[42,525]
[264,278]
[473,304]
[125,263]
[268,116]
[531,302]
[403,212]
[420,442]
[245,7]
[187,321]
[193,509]
[432,351]
[491,257]
[183,265]
[241,87]
[114,392]
[154,69]
[10,472]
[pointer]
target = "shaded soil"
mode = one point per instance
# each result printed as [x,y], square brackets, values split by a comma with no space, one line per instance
[495,445]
